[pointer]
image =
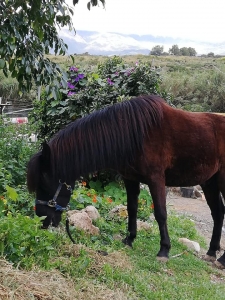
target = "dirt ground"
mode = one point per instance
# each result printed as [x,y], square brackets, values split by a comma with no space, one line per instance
[198,211]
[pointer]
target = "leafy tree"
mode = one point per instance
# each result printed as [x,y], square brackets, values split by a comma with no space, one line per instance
[188,51]
[192,51]
[184,51]
[28,30]
[210,54]
[174,50]
[157,50]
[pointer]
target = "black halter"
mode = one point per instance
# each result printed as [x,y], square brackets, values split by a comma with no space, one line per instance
[52,202]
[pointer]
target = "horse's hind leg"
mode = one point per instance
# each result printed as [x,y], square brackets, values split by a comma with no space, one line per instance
[221,183]
[133,191]
[213,198]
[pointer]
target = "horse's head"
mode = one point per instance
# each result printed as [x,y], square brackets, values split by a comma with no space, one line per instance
[52,194]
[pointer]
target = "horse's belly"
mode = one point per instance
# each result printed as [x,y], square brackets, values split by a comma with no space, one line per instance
[180,176]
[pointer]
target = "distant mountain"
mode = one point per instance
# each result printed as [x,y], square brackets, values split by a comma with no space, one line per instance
[112,43]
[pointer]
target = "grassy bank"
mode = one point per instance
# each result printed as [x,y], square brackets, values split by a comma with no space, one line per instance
[81,272]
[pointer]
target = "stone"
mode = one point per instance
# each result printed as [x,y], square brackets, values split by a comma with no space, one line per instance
[175,191]
[81,220]
[92,212]
[119,210]
[143,225]
[187,192]
[192,245]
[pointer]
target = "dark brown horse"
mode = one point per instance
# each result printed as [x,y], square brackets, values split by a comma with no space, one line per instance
[146,141]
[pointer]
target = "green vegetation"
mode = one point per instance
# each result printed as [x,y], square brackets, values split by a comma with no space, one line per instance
[134,273]
[129,273]
[174,50]
[184,51]
[28,33]
[194,83]
[91,89]
[15,149]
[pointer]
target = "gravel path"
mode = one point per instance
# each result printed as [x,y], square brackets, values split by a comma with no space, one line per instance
[198,211]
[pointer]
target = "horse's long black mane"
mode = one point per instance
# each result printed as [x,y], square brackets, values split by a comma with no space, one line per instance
[108,138]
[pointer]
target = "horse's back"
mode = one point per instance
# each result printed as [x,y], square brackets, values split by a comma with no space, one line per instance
[188,147]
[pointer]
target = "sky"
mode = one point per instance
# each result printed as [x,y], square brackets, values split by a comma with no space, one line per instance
[198,20]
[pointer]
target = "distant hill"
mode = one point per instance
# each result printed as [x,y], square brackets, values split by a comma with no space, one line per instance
[112,43]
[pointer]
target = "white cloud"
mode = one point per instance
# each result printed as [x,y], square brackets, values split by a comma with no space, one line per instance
[199,20]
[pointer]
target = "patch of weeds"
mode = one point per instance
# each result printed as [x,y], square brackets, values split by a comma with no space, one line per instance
[22,241]
[185,229]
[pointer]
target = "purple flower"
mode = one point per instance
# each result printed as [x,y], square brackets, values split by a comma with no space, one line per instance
[117,73]
[74,69]
[129,71]
[71,93]
[71,86]
[136,63]
[79,76]
[109,81]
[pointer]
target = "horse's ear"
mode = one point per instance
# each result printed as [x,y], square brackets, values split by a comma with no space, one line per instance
[45,153]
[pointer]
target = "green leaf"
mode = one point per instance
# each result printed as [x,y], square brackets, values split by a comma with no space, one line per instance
[12,47]
[11,192]
[96,185]
[54,94]
[95,76]
[2,63]
[83,82]
[54,103]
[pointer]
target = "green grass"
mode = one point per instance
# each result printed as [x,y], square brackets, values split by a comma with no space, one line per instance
[134,272]
[183,277]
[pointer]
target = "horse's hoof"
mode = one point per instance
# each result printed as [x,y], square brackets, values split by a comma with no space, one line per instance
[44,227]
[209,258]
[162,259]
[127,242]
[218,265]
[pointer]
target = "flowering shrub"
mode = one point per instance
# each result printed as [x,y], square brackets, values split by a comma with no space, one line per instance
[76,82]
[107,197]
[87,91]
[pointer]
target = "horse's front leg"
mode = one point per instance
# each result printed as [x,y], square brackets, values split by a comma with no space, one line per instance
[158,193]
[133,191]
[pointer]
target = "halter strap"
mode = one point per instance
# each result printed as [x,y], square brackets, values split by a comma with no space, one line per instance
[52,202]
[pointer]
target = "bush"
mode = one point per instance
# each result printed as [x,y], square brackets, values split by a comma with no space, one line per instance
[196,88]
[16,200]
[15,151]
[24,243]
[87,91]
